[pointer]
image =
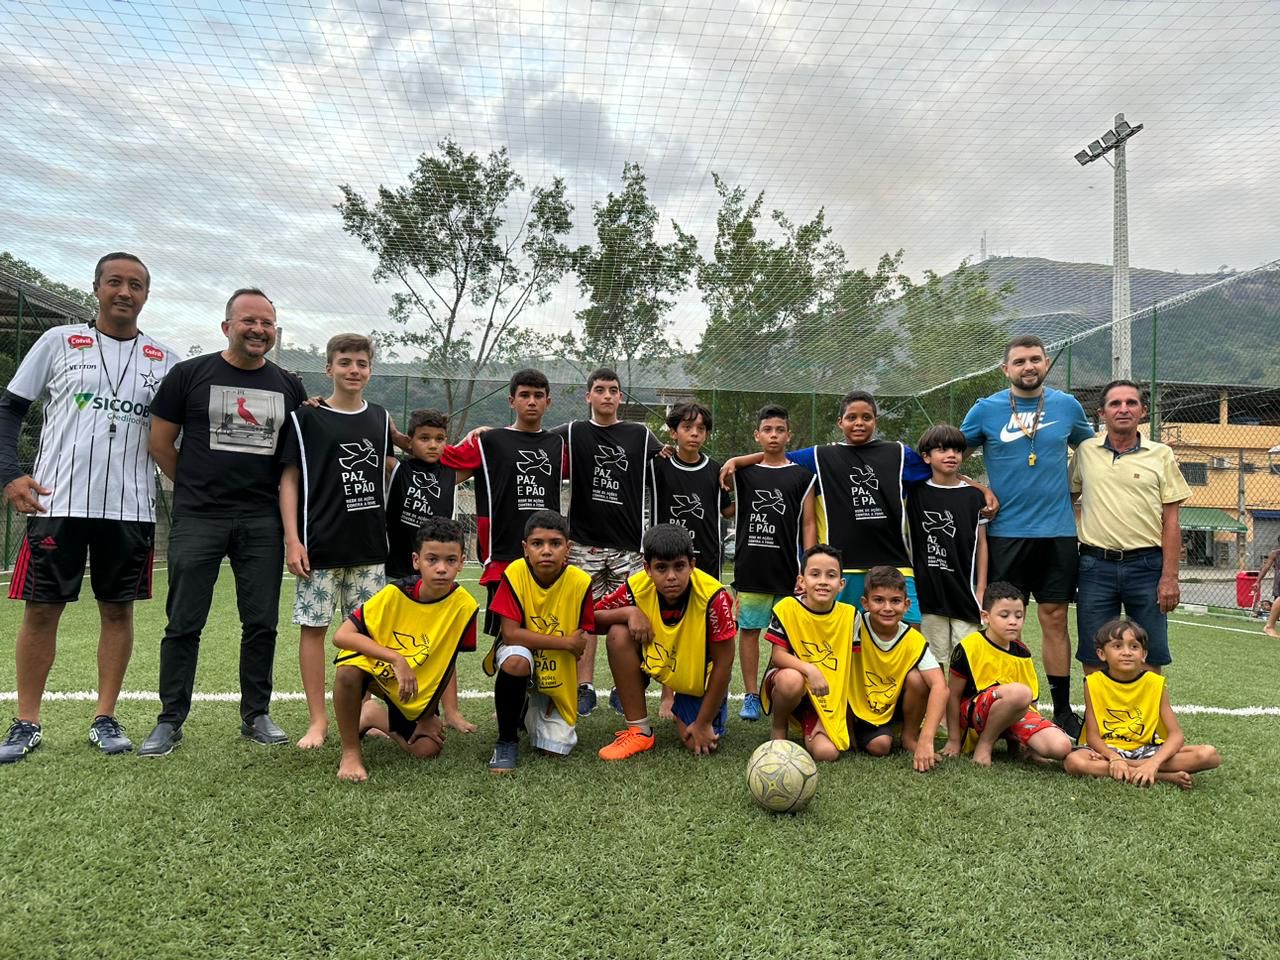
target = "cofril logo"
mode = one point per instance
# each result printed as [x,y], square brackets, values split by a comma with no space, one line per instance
[82,399]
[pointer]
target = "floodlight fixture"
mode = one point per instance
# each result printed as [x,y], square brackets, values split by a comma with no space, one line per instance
[1096,149]
[1083,157]
[1110,139]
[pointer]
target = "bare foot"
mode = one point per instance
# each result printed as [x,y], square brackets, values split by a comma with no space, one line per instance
[456,721]
[351,768]
[664,709]
[313,738]
[982,754]
[1270,631]
[1179,777]
[374,733]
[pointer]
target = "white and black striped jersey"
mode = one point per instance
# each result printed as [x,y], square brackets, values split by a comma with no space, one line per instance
[97,420]
[342,455]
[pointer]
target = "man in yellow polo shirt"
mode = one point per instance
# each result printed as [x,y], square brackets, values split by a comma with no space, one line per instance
[1129,489]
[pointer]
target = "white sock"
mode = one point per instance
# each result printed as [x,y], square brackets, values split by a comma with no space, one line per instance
[642,725]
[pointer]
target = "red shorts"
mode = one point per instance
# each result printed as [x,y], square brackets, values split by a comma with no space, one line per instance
[975,710]
[804,714]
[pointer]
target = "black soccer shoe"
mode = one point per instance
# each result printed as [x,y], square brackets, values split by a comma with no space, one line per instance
[23,737]
[107,735]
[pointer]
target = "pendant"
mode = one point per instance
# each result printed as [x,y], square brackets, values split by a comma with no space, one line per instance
[1031,459]
[111,430]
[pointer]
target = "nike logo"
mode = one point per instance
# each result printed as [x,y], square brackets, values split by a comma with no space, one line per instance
[1012,431]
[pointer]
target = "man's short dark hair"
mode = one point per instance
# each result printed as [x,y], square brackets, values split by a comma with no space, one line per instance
[820,550]
[1142,395]
[1117,628]
[855,396]
[688,411]
[603,373]
[529,377]
[427,417]
[440,530]
[118,255]
[244,292]
[666,541]
[1025,340]
[772,411]
[941,436]
[1001,590]
[546,520]
[884,578]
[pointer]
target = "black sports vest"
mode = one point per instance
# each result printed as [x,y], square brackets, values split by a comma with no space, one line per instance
[690,496]
[606,483]
[861,509]
[944,548]
[418,490]
[521,475]
[769,500]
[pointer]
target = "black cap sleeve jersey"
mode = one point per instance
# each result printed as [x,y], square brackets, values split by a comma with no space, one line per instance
[418,490]
[690,495]
[769,502]
[944,548]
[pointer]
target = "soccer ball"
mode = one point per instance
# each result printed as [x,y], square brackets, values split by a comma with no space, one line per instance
[782,776]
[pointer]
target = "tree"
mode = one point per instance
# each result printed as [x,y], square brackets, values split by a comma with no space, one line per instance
[465,272]
[630,279]
[24,271]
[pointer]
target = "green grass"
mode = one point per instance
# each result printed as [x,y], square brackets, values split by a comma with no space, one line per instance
[228,849]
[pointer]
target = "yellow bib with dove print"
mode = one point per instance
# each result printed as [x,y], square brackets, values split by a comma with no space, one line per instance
[826,641]
[677,653]
[1127,714]
[879,676]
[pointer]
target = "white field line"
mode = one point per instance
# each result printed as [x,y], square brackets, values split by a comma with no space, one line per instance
[1213,626]
[90,696]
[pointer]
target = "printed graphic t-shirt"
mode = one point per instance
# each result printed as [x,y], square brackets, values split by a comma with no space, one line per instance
[228,462]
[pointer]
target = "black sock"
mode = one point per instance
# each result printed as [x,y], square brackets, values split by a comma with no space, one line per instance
[508,700]
[1060,690]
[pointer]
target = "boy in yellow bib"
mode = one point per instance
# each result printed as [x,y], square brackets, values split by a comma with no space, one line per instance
[1130,730]
[896,678]
[674,624]
[994,687]
[543,607]
[811,659]
[401,645]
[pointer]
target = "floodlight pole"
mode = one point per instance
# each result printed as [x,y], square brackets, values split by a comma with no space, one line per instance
[1121,339]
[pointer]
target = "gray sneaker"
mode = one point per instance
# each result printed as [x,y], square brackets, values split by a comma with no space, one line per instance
[262,729]
[161,741]
[108,736]
[505,756]
[23,737]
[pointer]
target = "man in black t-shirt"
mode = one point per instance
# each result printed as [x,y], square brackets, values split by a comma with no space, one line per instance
[230,408]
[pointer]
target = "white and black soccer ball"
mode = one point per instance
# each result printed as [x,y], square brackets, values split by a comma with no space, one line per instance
[782,776]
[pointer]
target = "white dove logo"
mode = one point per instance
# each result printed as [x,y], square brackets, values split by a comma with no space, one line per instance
[864,478]
[939,521]
[611,457]
[687,505]
[769,500]
[358,453]
[531,460]
[426,483]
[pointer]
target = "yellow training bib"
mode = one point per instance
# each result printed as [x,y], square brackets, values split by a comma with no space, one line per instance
[552,611]
[879,676]
[826,641]
[1127,714]
[991,665]
[677,653]
[426,634]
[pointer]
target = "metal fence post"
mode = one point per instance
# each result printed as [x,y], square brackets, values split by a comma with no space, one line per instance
[1155,385]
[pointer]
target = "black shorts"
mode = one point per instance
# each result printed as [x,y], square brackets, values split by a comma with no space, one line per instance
[864,732]
[1041,567]
[51,560]
[400,725]
[492,621]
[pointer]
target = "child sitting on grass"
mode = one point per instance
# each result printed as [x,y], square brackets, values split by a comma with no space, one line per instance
[402,645]
[673,623]
[1130,730]
[811,637]
[896,678]
[994,687]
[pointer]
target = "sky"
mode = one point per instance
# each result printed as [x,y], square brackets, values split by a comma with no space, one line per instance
[211,138]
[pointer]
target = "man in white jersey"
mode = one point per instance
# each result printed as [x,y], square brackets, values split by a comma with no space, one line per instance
[90,495]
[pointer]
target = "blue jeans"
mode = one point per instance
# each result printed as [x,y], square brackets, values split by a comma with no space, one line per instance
[1104,586]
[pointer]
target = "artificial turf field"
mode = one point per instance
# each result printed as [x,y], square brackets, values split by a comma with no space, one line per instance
[230,849]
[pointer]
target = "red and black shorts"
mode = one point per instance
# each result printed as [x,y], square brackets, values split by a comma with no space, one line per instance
[975,710]
[51,560]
